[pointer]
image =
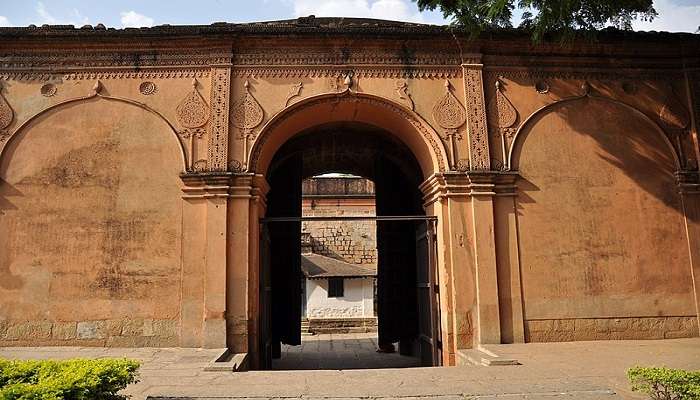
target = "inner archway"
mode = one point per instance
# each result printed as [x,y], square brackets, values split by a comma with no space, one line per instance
[406,310]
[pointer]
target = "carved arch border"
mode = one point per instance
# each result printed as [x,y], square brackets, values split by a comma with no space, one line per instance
[97,95]
[428,134]
[542,110]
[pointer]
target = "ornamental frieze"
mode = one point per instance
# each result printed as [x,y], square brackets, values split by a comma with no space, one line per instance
[311,56]
[102,59]
[392,72]
[219,126]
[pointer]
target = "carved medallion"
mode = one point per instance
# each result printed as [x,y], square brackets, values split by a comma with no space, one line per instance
[193,111]
[48,90]
[235,166]
[147,88]
[448,113]
[247,113]
[404,96]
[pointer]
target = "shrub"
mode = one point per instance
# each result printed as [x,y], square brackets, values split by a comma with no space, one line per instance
[77,379]
[665,383]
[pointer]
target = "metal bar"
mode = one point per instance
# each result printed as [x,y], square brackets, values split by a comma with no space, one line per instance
[352,218]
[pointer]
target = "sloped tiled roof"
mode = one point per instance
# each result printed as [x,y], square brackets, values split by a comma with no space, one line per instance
[316,266]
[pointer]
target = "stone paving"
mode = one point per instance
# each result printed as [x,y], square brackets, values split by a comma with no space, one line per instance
[340,351]
[576,370]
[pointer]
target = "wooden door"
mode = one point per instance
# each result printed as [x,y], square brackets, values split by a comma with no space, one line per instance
[427,294]
[265,299]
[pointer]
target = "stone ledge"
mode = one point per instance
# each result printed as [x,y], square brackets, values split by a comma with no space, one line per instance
[342,325]
[137,332]
[564,330]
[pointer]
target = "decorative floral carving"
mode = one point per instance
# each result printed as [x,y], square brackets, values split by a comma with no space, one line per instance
[505,119]
[199,166]
[6,117]
[48,90]
[147,88]
[218,138]
[507,114]
[449,114]
[247,113]
[193,111]
[293,92]
[404,96]
[236,166]
[462,165]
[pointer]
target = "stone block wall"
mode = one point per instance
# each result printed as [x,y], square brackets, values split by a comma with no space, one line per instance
[112,333]
[564,330]
[353,241]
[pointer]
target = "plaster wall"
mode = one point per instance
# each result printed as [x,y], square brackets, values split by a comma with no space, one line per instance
[90,229]
[357,300]
[603,248]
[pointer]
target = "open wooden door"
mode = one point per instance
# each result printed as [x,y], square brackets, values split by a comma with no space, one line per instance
[427,294]
[265,299]
[284,200]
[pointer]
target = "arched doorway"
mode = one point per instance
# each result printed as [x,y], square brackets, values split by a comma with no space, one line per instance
[375,144]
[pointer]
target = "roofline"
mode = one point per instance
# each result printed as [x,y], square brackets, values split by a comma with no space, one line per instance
[307,26]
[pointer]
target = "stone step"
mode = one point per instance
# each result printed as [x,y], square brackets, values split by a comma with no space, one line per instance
[483,357]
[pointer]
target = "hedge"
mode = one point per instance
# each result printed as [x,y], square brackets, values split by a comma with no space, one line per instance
[665,383]
[78,379]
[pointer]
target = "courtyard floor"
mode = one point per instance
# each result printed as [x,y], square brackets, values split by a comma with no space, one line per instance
[578,370]
[340,351]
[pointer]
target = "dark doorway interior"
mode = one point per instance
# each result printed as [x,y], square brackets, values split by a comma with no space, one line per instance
[401,253]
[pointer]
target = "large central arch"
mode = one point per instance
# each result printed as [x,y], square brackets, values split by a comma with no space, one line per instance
[349,106]
[315,114]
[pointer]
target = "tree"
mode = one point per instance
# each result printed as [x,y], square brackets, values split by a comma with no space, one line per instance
[565,18]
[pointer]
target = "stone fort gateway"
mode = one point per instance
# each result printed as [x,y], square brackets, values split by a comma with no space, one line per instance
[150,182]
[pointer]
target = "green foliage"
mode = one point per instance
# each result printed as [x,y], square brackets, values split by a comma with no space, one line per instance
[665,383]
[77,379]
[564,18]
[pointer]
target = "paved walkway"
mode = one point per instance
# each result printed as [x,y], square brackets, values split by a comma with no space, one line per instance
[580,370]
[340,351]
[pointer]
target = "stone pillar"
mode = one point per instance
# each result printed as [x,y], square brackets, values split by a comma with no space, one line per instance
[238,252]
[447,197]
[508,258]
[205,258]
[482,192]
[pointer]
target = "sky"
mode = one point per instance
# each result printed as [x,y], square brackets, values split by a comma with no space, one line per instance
[674,15]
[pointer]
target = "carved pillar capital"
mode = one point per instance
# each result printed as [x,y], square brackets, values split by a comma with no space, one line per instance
[206,184]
